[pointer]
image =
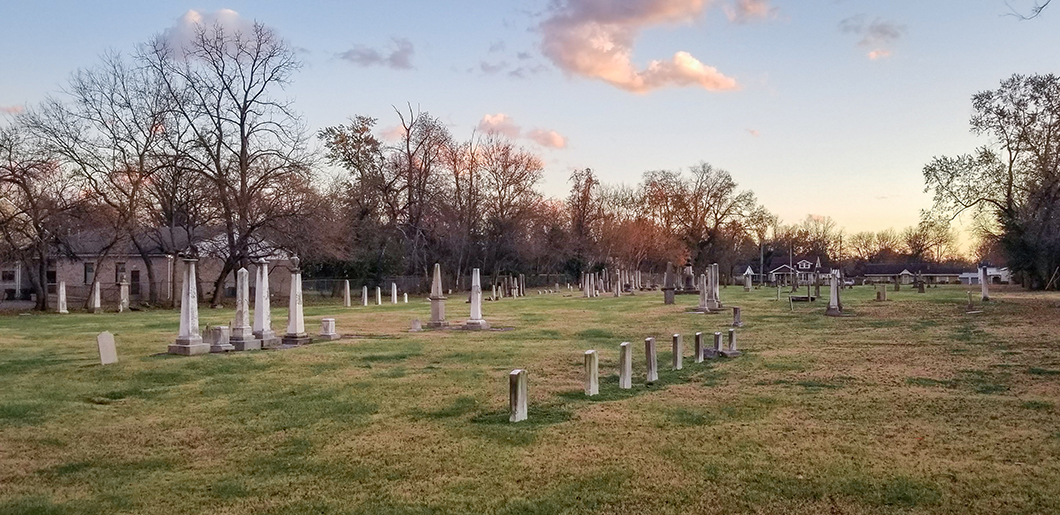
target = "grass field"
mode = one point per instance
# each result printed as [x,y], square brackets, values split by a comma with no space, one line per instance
[911,406]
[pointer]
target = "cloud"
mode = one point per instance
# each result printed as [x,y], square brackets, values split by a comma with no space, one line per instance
[491,68]
[547,138]
[522,56]
[497,46]
[499,123]
[503,124]
[11,109]
[398,58]
[754,132]
[523,72]
[876,35]
[594,38]
[394,133]
[182,33]
[744,11]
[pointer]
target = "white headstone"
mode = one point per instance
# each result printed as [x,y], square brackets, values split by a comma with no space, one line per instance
[327,329]
[296,334]
[189,341]
[592,373]
[833,296]
[699,348]
[123,295]
[364,295]
[625,366]
[346,301]
[393,293]
[107,352]
[62,297]
[652,365]
[242,334]
[476,321]
[517,393]
[406,297]
[262,306]
[378,296]
[437,299]
[94,302]
[984,283]
[678,355]
[219,339]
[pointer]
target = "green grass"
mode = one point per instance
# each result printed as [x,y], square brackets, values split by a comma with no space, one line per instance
[908,407]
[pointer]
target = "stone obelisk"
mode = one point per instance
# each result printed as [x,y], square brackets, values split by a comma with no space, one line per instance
[241,336]
[62,297]
[834,308]
[94,303]
[295,334]
[476,321]
[393,293]
[364,295]
[346,294]
[123,295]
[189,341]
[668,284]
[437,299]
[262,310]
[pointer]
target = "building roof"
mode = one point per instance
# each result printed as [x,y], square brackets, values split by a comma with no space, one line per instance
[889,269]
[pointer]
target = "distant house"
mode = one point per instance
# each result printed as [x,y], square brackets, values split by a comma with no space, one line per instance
[905,273]
[781,270]
[87,259]
[997,275]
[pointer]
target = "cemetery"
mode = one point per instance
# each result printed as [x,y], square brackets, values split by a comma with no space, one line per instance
[874,410]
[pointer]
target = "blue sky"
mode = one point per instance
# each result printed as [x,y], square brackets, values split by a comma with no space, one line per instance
[813,124]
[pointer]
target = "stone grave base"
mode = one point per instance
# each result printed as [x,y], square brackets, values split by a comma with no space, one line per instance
[189,347]
[296,339]
[833,312]
[729,353]
[248,344]
[476,325]
[329,337]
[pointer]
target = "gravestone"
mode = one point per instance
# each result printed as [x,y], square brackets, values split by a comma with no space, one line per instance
[417,326]
[625,366]
[327,329]
[731,351]
[219,339]
[476,322]
[717,350]
[747,282]
[378,296]
[522,285]
[699,348]
[364,295]
[393,293]
[107,352]
[242,335]
[123,295]
[406,297]
[592,373]
[703,293]
[834,308]
[678,353]
[262,308]
[346,301]
[984,283]
[296,333]
[62,298]
[919,283]
[716,285]
[517,393]
[737,320]
[652,365]
[668,284]
[94,301]
[437,299]
[189,341]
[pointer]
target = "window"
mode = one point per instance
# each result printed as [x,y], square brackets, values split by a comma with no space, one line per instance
[119,272]
[7,276]
[134,287]
[90,273]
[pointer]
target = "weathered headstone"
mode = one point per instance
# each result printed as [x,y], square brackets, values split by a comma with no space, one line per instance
[625,366]
[242,335]
[437,299]
[747,281]
[107,352]
[717,345]
[262,308]
[476,322]
[522,285]
[327,329]
[364,295]
[94,301]
[189,341]
[62,297]
[123,295]
[700,351]
[679,352]
[737,318]
[703,294]
[834,309]
[716,284]
[652,364]
[517,393]
[406,297]
[417,326]
[296,333]
[668,284]
[592,373]
[378,296]
[219,339]
[393,293]
[346,301]
[984,283]
[731,351]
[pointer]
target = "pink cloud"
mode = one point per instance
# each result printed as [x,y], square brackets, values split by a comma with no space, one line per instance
[499,123]
[182,32]
[394,133]
[879,54]
[744,11]
[547,138]
[594,38]
[11,109]
[754,132]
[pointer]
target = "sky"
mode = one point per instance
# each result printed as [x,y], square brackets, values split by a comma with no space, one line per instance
[823,107]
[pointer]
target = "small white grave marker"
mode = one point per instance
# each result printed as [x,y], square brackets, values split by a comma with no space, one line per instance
[625,366]
[517,392]
[592,373]
[107,352]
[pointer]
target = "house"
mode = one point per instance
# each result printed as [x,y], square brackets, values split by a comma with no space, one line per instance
[997,275]
[91,256]
[785,270]
[906,273]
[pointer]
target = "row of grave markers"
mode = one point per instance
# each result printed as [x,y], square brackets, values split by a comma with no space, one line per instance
[517,379]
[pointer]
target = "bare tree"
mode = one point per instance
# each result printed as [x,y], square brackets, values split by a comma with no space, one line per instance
[250,145]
